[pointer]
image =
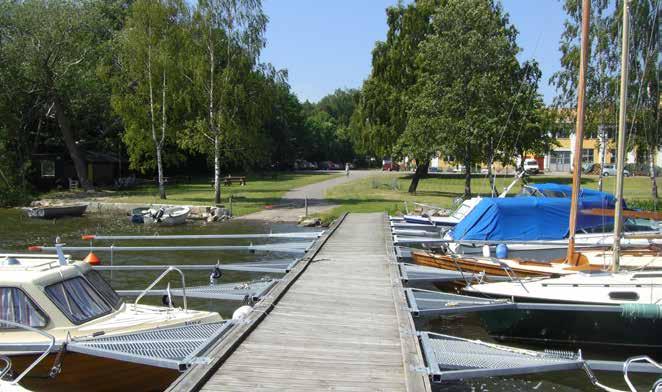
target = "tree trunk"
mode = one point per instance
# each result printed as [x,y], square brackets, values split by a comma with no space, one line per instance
[603,150]
[467,173]
[68,136]
[421,172]
[159,165]
[521,161]
[217,170]
[651,170]
[157,145]
[490,161]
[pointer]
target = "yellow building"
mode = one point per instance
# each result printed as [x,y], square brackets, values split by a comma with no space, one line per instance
[559,159]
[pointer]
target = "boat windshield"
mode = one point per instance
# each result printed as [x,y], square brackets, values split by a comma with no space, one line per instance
[104,288]
[630,225]
[16,306]
[462,211]
[77,300]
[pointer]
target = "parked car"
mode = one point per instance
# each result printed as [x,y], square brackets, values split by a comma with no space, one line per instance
[389,165]
[531,166]
[610,170]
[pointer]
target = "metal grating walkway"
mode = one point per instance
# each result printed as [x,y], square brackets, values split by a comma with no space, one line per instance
[451,358]
[173,348]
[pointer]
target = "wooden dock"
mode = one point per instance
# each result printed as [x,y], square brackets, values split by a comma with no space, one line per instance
[339,322]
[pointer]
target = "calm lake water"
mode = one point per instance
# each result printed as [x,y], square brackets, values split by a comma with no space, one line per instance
[17,232]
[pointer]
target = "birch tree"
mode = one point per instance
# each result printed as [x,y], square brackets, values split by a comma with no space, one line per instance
[230,35]
[147,91]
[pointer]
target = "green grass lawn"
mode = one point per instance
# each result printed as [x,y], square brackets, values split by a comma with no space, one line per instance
[389,193]
[259,191]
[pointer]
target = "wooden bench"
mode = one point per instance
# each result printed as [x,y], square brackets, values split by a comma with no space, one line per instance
[228,180]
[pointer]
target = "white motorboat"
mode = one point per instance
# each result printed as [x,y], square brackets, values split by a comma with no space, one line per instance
[70,301]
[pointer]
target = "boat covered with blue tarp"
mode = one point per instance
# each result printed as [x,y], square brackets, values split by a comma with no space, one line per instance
[529,218]
[550,189]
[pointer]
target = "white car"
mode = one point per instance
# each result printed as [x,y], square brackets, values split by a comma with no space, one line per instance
[531,166]
[610,170]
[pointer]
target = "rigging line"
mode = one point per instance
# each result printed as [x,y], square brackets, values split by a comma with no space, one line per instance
[512,109]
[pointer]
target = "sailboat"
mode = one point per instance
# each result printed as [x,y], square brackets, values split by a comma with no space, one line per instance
[638,293]
[455,217]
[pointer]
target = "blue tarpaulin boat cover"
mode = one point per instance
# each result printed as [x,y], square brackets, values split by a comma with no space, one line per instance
[528,218]
[551,189]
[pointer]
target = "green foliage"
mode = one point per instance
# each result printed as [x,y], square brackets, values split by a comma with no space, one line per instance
[602,90]
[50,90]
[148,52]
[381,114]
[447,81]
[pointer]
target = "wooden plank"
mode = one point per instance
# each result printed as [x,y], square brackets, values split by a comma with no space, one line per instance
[195,376]
[411,350]
[337,327]
[626,213]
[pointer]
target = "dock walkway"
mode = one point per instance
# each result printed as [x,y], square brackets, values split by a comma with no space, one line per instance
[342,325]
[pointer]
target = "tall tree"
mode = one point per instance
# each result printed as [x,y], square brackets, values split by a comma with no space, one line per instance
[381,115]
[469,71]
[147,90]
[645,68]
[230,35]
[604,68]
[53,46]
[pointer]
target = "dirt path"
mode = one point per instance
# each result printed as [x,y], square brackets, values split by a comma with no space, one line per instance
[291,206]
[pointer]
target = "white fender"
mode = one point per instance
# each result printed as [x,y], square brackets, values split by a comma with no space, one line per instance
[241,312]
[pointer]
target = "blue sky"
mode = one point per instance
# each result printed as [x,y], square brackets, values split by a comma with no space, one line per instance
[327,44]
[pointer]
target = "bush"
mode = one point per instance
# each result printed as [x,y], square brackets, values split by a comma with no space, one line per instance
[645,205]
[641,169]
[12,197]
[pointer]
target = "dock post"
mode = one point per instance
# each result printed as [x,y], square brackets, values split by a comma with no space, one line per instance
[230,206]
[305,204]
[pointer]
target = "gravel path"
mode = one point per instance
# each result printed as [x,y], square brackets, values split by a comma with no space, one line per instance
[291,206]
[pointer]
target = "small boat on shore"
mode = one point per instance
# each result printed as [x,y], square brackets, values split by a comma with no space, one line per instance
[137,215]
[168,216]
[52,212]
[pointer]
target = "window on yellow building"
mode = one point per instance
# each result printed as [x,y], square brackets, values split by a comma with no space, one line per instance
[587,155]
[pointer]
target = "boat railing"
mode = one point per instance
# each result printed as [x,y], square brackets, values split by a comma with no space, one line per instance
[511,274]
[640,358]
[158,279]
[27,370]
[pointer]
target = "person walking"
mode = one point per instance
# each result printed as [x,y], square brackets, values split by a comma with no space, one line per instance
[347,169]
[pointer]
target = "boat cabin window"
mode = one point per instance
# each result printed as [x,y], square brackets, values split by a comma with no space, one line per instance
[462,211]
[624,295]
[554,194]
[77,300]
[103,288]
[16,306]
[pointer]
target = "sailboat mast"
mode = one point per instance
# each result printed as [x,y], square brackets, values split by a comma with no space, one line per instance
[618,211]
[579,130]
